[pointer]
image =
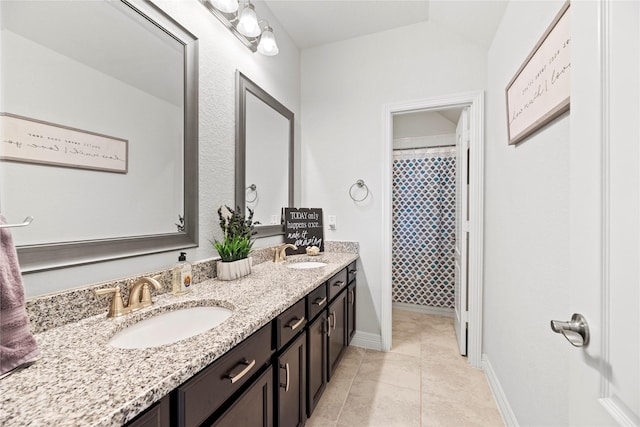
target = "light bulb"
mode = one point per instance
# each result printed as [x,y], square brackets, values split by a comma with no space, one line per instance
[248,22]
[267,45]
[226,6]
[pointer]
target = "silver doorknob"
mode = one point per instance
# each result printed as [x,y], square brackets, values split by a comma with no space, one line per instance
[576,331]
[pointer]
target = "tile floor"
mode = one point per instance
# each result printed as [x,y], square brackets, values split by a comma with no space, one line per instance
[422,381]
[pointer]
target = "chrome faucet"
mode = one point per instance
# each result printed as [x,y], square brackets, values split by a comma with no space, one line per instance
[139,297]
[280,254]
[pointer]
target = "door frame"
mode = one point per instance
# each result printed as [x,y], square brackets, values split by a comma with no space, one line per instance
[475,102]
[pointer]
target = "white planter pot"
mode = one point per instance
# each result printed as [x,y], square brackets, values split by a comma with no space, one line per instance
[233,270]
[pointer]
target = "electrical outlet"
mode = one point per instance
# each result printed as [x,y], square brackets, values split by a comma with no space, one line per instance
[275,219]
[332,222]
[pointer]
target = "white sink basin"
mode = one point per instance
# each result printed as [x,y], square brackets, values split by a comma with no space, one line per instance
[170,327]
[305,265]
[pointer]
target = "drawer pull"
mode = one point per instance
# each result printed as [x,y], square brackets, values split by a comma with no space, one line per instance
[320,302]
[338,283]
[286,380]
[295,325]
[247,367]
[354,272]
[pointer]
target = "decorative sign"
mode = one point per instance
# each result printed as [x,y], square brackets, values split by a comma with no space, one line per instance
[303,227]
[34,141]
[540,90]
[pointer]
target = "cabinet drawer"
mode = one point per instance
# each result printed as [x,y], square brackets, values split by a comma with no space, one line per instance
[290,323]
[316,301]
[337,283]
[351,272]
[199,397]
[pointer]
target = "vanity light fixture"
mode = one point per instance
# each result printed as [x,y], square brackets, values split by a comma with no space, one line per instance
[226,6]
[248,21]
[267,45]
[255,34]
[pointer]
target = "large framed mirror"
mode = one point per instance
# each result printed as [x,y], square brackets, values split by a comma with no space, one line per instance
[80,77]
[264,155]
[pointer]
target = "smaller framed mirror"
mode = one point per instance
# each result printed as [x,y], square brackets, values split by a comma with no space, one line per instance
[264,155]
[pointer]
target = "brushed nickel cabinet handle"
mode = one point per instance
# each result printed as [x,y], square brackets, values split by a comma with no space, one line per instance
[320,302]
[286,378]
[334,320]
[329,325]
[248,365]
[339,283]
[295,325]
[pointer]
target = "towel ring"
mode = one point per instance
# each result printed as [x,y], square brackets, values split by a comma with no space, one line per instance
[253,188]
[360,184]
[26,222]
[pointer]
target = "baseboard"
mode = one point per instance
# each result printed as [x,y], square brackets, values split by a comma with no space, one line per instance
[367,340]
[439,311]
[506,412]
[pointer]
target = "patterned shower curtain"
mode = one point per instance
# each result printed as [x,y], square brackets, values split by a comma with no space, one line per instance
[423,240]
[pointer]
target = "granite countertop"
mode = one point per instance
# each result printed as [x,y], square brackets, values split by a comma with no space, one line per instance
[80,380]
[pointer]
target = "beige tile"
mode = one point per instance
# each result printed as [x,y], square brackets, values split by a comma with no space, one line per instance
[372,404]
[406,342]
[391,368]
[422,381]
[318,421]
[446,412]
[333,398]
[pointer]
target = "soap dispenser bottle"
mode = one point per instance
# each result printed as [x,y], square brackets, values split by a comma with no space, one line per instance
[181,280]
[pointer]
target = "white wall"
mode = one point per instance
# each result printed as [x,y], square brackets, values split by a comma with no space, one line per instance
[423,129]
[344,88]
[526,268]
[220,54]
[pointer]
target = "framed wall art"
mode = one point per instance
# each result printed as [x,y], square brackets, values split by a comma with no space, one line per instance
[540,90]
[34,141]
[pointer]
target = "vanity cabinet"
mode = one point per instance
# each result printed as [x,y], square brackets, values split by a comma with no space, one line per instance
[351,301]
[316,346]
[254,407]
[157,415]
[276,376]
[203,395]
[337,337]
[291,384]
[290,366]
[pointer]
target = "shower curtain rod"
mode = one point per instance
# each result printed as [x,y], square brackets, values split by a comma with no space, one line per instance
[423,148]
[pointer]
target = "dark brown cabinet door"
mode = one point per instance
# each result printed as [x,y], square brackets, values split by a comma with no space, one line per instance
[337,340]
[316,361]
[291,386]
[157,415]
[254,408]
[351,311]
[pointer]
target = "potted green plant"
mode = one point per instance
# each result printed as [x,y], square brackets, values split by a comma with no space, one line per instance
[235,247]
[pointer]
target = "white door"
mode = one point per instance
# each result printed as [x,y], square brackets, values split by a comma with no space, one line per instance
[462,230]
[604,258]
